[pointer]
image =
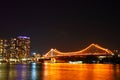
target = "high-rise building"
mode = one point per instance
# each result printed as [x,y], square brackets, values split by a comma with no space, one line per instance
[15,49]
[20,47]
[24,44]
[4,49]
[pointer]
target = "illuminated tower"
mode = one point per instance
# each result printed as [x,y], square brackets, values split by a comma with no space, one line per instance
[20,47]
[4,49]
[51,52]
[24,45]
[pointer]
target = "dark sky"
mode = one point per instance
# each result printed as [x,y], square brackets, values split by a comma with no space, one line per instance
[65,25]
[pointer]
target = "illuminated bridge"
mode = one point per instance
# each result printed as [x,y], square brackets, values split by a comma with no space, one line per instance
[92,49]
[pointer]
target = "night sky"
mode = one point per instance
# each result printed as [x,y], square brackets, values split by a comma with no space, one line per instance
[65,25]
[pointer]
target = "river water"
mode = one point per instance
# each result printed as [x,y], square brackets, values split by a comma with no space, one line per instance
[59,71]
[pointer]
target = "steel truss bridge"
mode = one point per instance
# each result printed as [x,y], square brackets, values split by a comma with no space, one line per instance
[92,49]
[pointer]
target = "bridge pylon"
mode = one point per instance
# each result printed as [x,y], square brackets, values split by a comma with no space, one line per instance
[53,60]
[52,52]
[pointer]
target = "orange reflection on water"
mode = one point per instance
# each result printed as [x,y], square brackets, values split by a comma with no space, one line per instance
[65,71]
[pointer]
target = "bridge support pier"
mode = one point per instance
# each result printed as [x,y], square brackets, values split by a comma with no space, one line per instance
[53,60]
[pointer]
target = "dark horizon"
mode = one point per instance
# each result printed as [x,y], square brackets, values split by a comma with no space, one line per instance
[64,25]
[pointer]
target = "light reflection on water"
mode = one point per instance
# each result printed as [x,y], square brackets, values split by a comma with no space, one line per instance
[59,71]
[20,72]
[33,75]
[81,72]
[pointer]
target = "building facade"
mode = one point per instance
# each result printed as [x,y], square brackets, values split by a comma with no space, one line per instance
[4,49]
[20,47]
[15,48]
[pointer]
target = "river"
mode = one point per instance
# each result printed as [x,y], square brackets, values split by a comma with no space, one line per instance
[59,71]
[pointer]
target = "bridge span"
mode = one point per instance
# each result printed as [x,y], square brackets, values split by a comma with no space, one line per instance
[92,49]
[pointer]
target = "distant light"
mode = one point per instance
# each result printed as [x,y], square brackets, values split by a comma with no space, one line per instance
[52,49]
[24,37]
[113,54]
[34,53]
[118,55]
[24,59]
[93,61]
[75,62]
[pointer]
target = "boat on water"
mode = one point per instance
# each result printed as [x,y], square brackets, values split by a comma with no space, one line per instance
[75,62]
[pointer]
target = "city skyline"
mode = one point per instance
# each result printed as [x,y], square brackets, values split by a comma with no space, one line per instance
[64,25]
[15,48]
[14,40]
